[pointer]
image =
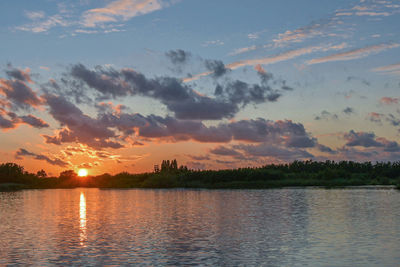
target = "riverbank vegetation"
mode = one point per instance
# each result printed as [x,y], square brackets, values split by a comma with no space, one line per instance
[297,173]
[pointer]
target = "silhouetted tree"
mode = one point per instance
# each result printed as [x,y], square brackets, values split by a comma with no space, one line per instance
[68,174]
[169,166]
[11,172]
[41,174]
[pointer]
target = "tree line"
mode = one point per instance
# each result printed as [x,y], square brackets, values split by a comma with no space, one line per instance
[298,173]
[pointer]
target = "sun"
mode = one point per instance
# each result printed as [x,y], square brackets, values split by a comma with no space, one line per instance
[82,172]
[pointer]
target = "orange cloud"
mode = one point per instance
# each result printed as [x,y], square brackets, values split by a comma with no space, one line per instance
[353,54]
[119,10]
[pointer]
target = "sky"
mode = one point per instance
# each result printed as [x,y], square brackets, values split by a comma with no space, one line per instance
[120,85]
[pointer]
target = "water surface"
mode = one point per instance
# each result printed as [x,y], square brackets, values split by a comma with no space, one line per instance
[283,227]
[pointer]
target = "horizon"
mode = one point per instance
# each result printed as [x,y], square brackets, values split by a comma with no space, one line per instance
[120,85]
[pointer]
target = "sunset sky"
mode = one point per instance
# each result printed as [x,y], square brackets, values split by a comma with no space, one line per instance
[119,85]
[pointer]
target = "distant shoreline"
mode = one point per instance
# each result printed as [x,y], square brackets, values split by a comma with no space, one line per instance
[20,187]
[328,174]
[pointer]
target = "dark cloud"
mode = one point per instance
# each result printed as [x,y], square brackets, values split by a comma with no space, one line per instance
[286,87]
[181,130]
[203,108]
[239,93]
[280,132]
[363,139]
[260,130]
[217,67]
[394,121]
[179,98]
[194,157]
[17,91]
[348,110]
[356,154]
[106,81]
[363,81]
[375,117]
[391,146]
[56,161]
[6,123]
[277,152]
[34,121]
[18,74]
[178,56]
[225,162]
[79,127]
[224,151]
[326,149]
[264,75]
[10,120]
[363,146]
[325,115]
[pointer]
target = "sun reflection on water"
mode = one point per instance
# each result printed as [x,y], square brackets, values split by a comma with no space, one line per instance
[82,219]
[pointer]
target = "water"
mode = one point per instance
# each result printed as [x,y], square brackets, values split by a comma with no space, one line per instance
[285,227]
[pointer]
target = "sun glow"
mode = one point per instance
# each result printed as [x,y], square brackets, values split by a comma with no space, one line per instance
[82,172]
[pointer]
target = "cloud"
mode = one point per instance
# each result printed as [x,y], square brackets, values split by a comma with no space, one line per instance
[373,146]
[354,54]
[273,151]
[194,157]
[10,120]
[253,35]
[393,69]
[394,121]
[34,15]
[178,57]
[79,127]
[326,149]
[224,151]
[363,139]
[299,34]
[6,123]
[179,98]
[273,59]
[357,154]
[119,10]
[284,56]
[348,111]
[34,121]
[325,115]
[108,18]
[18,74]
[372,14]
[213,43]
[375,117]
[17,91]
[86,31]
[389,100]
[350,78]
[242,50]
[44,25]
[56,161]
[285,133]
[375,9]
[216,67]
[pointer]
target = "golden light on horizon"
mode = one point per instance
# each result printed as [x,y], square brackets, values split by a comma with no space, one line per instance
[83,172]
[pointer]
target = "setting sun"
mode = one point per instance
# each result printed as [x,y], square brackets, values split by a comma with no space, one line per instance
[82,172]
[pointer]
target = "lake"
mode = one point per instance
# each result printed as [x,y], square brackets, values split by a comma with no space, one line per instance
[279,227]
